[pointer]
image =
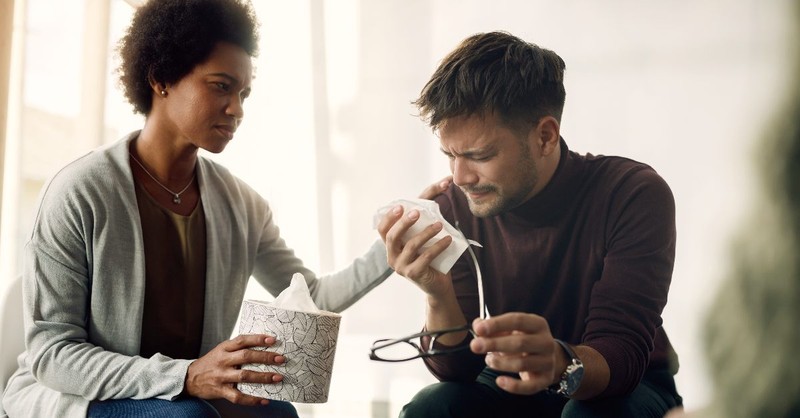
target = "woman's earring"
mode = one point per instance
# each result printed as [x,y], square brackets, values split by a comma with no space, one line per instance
[163,93]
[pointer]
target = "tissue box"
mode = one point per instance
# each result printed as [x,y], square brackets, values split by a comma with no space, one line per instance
[308,340]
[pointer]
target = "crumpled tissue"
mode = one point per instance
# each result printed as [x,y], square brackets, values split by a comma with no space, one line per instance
[428,214]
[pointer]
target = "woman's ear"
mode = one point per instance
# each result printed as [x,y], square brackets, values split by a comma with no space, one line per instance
[159,88]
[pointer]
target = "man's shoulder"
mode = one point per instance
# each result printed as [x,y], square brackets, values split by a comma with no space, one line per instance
[616,171]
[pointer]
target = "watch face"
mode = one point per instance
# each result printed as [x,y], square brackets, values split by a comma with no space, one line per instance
[574,375]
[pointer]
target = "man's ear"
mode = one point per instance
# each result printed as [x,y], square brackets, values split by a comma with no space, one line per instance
[549,134]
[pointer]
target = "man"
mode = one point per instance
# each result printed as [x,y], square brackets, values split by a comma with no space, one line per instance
[577,253]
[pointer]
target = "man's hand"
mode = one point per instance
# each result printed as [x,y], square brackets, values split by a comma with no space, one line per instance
[215,375]
[436,189]
[406,259]
[518,343]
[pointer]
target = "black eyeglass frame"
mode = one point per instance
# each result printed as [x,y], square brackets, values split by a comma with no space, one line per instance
[431,351]
[383,343]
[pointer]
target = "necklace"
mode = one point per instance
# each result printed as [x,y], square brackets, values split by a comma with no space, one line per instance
[176,197]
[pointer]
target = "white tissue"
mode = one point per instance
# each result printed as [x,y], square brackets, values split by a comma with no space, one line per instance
[428,214]
[296,297]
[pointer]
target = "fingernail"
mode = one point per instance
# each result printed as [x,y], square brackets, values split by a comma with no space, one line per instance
[414,214]
[397,209]
[444,184]
[477,346]
[269,340]
[437,225]
[480,327]
[489,359]
[279,359]
[277,378]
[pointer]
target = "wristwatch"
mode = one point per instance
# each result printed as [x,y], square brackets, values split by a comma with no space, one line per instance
[571,378]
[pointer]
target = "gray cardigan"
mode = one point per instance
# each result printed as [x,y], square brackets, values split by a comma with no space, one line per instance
[83,284]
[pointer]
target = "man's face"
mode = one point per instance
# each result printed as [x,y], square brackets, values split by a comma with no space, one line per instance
[493,165]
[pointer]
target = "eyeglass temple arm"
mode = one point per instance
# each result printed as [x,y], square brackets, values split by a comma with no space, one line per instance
[481,301]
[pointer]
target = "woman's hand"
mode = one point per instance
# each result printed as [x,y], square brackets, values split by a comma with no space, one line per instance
[216,374]
[436,189]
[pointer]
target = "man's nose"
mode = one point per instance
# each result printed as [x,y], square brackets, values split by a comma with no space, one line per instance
[463,174]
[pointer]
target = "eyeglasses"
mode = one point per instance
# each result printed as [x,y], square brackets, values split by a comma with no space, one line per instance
[406,348]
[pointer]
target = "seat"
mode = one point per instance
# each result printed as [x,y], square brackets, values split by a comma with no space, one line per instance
[12,334]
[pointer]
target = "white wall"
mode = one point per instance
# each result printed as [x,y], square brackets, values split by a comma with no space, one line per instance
[329,136]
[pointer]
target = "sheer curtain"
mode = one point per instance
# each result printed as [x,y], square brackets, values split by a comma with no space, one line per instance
[330,135]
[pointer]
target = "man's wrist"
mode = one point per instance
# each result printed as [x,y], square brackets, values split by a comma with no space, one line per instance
[571,378]
[561,363]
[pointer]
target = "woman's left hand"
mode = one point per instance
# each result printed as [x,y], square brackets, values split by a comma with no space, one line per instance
[436,189]
[215,375]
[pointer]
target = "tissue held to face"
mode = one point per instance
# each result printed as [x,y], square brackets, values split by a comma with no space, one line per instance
[428,214]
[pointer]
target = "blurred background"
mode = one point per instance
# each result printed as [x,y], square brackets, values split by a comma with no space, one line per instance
[329,135]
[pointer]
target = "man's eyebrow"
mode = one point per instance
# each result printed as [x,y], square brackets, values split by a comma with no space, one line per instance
[469,153]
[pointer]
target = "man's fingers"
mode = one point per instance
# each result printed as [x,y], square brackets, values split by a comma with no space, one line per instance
[508,322]
[521,362]
[413,248]
[533,384]
[414,264]
[515,342]
[405,253]
[388,220]
[394,236]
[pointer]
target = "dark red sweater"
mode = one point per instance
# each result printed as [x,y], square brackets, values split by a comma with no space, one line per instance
[592,253]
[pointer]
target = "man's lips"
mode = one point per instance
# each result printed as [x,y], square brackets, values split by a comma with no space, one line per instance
[477,194]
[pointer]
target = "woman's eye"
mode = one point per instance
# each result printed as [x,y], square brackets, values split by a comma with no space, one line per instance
[222,86]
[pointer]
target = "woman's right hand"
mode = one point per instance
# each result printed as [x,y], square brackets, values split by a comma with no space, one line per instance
[215,375]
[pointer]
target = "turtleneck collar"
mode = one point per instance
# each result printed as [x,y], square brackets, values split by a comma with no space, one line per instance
[546,205]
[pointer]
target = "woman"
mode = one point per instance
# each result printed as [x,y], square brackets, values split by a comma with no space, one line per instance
[141,250]
[751,332]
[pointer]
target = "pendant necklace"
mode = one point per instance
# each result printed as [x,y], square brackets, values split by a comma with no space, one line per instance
[176,197]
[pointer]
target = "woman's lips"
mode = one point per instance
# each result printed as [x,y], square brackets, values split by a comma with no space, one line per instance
[227,131]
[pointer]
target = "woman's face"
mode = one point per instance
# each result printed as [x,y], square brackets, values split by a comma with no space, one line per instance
[205,107]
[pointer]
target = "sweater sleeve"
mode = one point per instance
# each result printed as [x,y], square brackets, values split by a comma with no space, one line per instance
[626,303]
[276,263]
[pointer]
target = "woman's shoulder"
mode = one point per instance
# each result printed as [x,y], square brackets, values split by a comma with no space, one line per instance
[97,169]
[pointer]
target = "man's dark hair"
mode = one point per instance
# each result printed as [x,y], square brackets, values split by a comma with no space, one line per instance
[168,38]
[495,72]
